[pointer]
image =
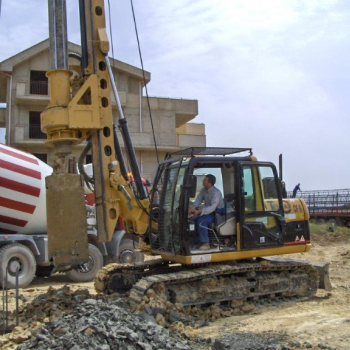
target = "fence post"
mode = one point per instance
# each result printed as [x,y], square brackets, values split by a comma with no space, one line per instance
[7,299]
[17,295]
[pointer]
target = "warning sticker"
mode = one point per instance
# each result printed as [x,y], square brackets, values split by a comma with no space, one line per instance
[199,259]
[297,239]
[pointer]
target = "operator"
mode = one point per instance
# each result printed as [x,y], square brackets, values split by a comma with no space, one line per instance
[204,216]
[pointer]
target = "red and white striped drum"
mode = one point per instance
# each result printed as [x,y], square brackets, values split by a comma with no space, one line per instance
[22,192]
[89,195]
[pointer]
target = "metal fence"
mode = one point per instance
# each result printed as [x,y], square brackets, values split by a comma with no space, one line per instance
[39,88]
[330,201]
[35,132]
[5,327]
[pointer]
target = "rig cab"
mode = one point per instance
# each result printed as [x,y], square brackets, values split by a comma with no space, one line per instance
[254,222]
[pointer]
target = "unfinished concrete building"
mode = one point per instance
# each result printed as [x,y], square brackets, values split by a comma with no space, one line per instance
[24,88]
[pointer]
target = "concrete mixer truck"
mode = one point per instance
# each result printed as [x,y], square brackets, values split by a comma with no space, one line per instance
[23,238]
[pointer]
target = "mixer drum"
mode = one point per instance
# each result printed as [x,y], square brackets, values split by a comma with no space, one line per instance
[22,192]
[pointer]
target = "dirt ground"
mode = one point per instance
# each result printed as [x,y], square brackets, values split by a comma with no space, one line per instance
[323,321]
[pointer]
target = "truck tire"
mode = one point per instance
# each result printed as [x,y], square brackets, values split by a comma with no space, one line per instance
[13,257]
[87,271]
[126,251]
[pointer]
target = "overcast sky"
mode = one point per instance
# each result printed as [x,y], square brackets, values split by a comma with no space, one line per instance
[272,75]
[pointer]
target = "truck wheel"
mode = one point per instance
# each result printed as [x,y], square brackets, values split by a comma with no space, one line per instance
[15,257]
[87,272]
[126,251]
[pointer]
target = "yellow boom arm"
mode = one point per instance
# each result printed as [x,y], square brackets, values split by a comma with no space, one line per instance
[71,119]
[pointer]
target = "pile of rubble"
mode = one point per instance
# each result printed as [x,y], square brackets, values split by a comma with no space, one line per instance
[66,319]
[96,324]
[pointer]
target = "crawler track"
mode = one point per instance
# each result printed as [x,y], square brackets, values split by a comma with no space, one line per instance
[262,280]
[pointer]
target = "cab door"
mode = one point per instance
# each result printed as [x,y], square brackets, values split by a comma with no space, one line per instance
[262,217]
[169,181]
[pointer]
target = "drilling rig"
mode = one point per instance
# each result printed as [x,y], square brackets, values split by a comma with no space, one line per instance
[256,223]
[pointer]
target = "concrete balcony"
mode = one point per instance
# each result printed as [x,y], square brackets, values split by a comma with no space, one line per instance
[191,129]
[28,135]
[183,106]
[185,141]
[144,140]
[24,97]
[25,94]
[122,97]
[191,135]
[141,140]
[185,110]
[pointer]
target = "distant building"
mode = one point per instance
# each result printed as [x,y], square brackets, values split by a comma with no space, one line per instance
[24,88]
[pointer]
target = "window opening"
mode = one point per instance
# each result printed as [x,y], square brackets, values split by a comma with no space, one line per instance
[39,83]
[41,156]
[35,127]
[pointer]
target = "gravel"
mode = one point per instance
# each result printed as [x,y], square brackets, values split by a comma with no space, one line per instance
[63,319]
[96,324]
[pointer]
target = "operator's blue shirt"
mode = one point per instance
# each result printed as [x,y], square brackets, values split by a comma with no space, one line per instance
[212,200]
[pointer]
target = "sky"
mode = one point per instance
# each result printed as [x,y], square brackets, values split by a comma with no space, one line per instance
[271,75]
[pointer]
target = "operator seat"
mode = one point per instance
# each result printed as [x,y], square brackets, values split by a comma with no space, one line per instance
[225,225]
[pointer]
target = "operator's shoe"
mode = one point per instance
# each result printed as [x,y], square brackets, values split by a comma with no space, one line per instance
[204,246]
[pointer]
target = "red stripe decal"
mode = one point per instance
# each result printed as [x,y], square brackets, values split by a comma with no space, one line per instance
[20,206]
[6,231]
[20,169]
[19,187]
[12,221]
[297,242]
[18,155]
